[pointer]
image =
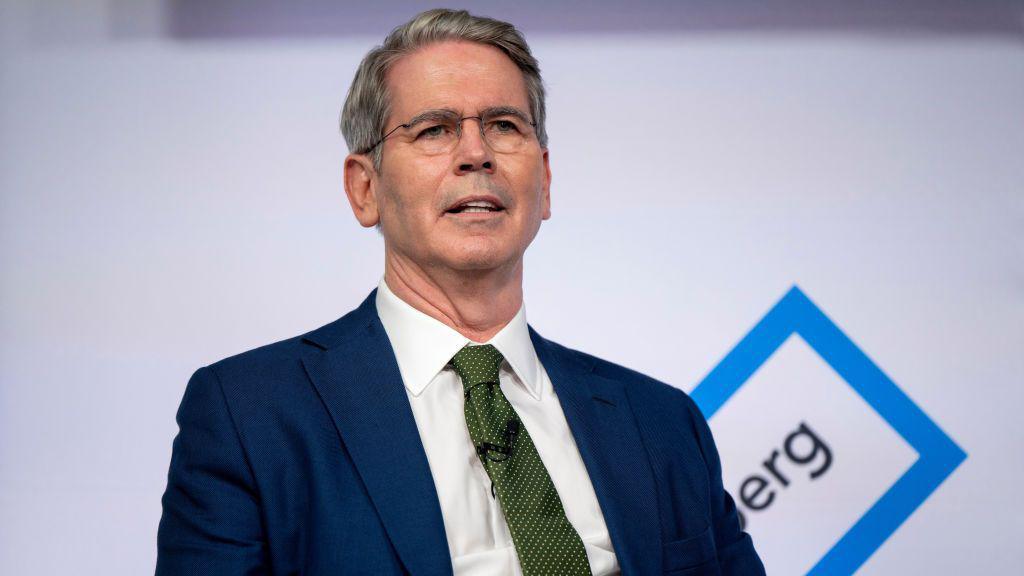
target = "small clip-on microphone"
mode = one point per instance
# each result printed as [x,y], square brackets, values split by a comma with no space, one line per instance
[485,449]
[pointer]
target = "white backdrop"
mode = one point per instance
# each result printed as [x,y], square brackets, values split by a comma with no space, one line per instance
[166,204]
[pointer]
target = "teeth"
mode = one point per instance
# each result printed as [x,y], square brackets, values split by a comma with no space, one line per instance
[476,206]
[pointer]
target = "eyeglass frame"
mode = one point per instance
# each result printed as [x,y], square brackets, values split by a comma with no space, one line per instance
[435,112]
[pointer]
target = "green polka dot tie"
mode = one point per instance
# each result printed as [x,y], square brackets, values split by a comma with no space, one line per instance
[546,542]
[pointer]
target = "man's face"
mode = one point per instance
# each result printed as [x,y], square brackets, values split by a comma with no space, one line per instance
[416,193]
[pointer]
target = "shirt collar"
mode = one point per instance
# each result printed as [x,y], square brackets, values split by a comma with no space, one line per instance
[423,346]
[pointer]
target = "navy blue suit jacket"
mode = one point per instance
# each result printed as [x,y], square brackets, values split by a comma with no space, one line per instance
[303,457]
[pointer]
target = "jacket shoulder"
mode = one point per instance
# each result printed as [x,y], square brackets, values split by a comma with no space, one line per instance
[669,420]
[287,353]
[639,386]
[260,360]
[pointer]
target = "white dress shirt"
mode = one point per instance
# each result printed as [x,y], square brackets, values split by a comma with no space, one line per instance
[478,538]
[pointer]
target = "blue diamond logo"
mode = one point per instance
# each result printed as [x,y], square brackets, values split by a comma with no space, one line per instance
[938,455]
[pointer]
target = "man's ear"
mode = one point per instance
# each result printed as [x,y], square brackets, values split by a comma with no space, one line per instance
[547,188]
[360,187]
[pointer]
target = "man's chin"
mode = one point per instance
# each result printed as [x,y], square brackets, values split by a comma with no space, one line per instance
[480,260]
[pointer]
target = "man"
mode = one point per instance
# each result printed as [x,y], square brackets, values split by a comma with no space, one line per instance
[431,431]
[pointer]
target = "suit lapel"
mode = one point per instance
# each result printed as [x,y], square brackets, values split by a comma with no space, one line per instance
[356,375]
[606,434]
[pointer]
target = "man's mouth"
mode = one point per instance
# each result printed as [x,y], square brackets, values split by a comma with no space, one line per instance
[475,207]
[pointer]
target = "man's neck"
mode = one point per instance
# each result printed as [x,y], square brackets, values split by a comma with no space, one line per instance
[477,305]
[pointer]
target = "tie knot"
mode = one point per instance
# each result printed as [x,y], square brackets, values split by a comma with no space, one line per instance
[477,364]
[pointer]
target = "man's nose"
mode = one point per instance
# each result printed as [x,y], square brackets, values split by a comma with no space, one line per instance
[472,153]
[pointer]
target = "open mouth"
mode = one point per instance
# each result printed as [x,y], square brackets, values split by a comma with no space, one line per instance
[475,207]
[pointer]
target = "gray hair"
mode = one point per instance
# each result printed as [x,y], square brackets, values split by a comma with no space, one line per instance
[368,103]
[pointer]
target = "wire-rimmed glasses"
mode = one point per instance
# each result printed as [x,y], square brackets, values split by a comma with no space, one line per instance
[505,130]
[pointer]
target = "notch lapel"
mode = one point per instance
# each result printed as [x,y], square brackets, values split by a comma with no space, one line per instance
[602,423]
[356,375]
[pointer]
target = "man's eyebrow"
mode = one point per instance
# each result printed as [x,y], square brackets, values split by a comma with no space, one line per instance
[505,111]
[433,114]
[449,114]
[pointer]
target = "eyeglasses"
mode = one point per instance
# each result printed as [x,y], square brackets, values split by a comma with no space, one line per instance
[435,132]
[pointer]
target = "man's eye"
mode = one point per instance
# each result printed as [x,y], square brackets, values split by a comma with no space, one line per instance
[504,126]
[435,131]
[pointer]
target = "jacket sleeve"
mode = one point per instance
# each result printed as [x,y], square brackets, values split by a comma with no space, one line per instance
[211,512]
[736,554]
